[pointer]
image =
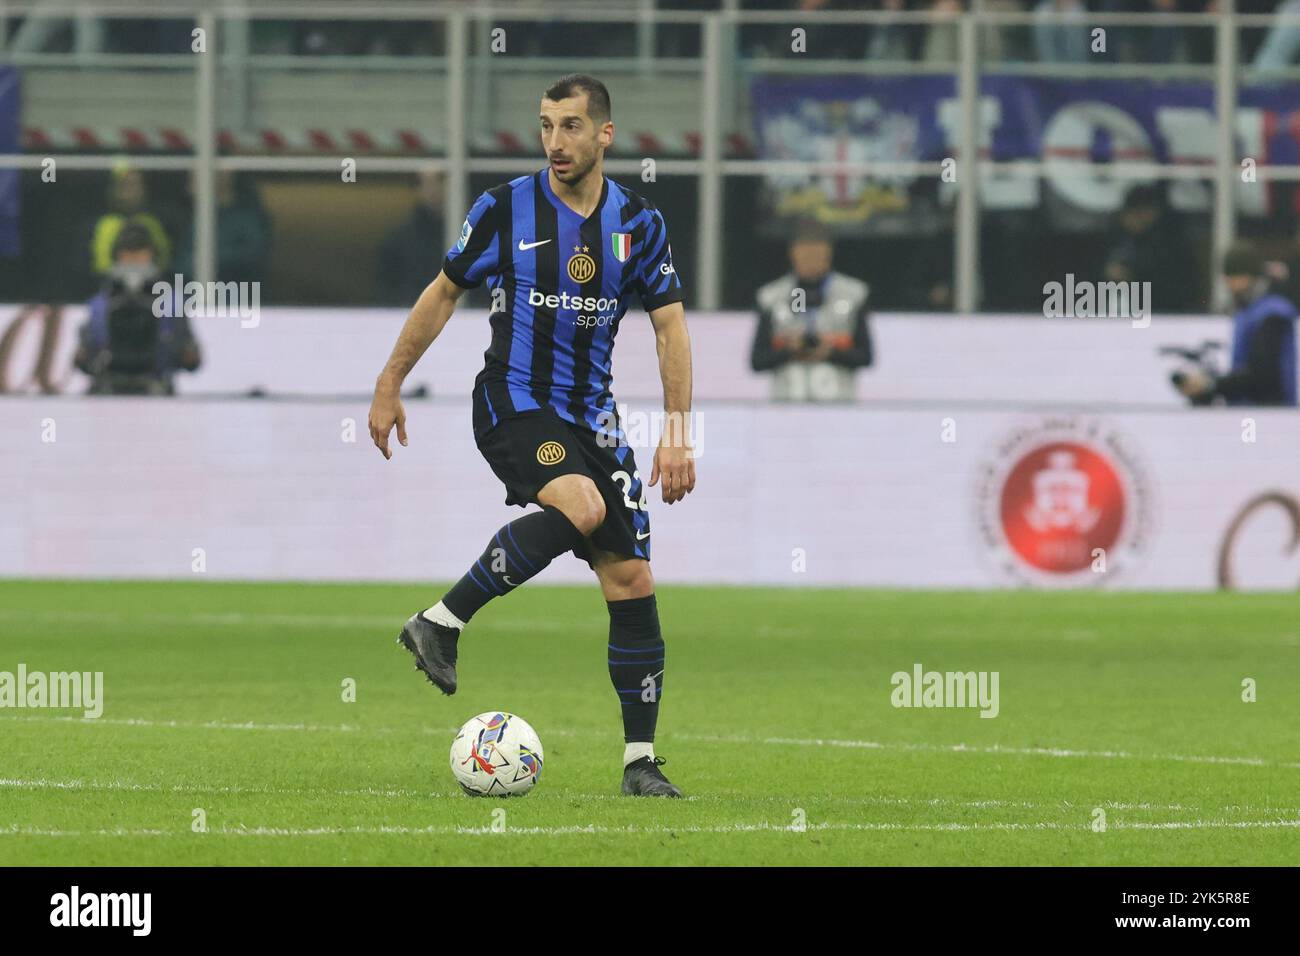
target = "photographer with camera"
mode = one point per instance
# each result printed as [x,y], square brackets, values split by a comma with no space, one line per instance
[128,346]
[1263,368]
[812,325]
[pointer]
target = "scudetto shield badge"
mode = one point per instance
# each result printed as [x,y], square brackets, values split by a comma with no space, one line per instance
[622,243]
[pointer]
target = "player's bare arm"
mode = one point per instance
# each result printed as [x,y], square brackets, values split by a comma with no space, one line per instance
[426,321]
[674,459]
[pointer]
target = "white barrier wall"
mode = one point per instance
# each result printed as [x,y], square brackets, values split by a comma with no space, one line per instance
[1013,359]
[788,495]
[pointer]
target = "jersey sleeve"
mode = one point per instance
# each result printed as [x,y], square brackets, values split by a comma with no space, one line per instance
[656,278]
[476,255]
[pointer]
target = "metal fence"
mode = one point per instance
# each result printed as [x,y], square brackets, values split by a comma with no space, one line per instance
[465,67]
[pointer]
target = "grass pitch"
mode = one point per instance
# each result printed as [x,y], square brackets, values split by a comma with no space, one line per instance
[228,699]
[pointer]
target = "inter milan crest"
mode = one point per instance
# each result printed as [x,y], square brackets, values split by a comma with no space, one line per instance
[550,453]
[582,267]
[622,243]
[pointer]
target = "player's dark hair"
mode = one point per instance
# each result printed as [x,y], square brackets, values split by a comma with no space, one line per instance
[598,106]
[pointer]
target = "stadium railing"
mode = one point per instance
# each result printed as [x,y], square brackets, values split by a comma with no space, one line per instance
[214,88]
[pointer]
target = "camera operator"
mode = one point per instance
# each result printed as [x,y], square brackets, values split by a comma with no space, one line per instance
[1263,339]
[812,325]
[125,347]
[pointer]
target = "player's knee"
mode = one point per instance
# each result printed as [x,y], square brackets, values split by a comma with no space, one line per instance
[577,497]
[590,510]
[625,580]
[639,582]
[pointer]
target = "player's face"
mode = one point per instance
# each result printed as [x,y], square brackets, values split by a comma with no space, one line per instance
[571,140]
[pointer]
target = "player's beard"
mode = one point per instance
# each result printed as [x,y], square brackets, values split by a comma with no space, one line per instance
[577,172]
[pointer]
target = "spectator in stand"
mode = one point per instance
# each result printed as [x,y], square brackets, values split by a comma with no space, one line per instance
[43,27]
[998,42]
[842,41]
[409,255]
[835,41]
[243,232]
[938,41]
[812,325]
[942,43]
[1006,42]
[895,41]
[1061,39]
[1148,247]
[1281,46]
[127,201]
[45,30]
[1161,42]
[1201,42]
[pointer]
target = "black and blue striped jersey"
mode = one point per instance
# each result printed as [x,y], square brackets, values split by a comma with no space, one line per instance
[560,284]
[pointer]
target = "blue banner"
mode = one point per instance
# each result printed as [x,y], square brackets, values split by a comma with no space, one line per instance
[10,128]
[1077,127]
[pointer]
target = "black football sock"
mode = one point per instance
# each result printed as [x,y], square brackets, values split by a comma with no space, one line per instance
[636,664]
[516,553]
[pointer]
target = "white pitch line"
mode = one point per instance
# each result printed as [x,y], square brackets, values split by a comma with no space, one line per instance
[194,725]
[405,793]
[994,749]
[579,830]
[219,618]
[962,748]
[1197,824]
[193,789]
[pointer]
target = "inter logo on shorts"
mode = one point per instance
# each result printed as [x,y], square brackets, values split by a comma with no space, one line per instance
[581,267]
[550,453]
[622,243]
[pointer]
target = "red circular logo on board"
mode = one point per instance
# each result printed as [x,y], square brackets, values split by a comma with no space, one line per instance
[1059,503]
[1063,501]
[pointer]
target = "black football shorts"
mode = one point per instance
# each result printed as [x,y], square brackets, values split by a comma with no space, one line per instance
[528,450]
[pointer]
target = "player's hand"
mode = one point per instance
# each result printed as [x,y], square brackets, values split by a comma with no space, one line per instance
[675,462]
[386,411]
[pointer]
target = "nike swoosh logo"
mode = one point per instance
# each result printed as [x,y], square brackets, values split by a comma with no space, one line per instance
[642,535]
[525,246]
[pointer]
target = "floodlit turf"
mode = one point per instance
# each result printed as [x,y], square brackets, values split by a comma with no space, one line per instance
[227,698]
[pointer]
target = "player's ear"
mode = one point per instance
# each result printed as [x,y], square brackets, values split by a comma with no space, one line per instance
[606,136]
